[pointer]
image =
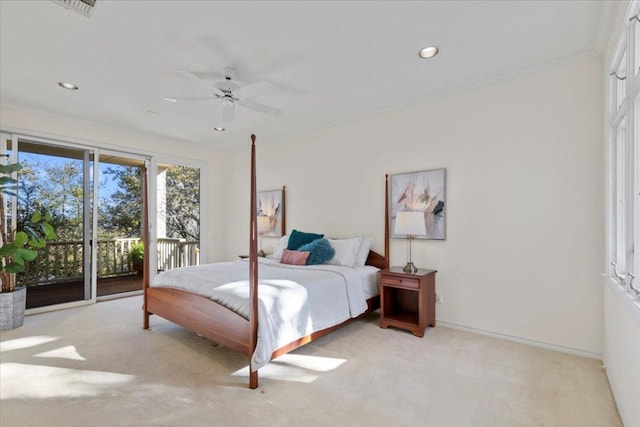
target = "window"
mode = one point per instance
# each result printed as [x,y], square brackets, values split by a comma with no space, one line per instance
[624,158]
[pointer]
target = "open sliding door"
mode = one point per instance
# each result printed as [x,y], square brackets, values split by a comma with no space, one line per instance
[120,248]
[97,203]
[58,179]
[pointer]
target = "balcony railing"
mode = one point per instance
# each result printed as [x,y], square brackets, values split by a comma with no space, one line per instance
[61,262]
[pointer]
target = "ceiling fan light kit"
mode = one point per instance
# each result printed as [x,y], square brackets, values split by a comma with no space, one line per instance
[228,93]
[67,85]
[428,52]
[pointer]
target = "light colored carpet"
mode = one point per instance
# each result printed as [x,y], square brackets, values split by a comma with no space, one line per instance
[95,366]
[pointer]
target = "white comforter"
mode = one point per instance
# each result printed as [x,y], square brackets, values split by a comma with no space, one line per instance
[294,301]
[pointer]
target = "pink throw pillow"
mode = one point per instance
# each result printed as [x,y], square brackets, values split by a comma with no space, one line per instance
[294,257]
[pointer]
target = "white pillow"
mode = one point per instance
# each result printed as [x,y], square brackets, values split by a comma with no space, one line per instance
[346,251]
[363,252]
[282,245]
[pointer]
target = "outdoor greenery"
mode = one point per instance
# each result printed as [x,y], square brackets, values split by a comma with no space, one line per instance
[183,203]
[21,246]
[136,254]
[120,215]
[55,186]
[59,187]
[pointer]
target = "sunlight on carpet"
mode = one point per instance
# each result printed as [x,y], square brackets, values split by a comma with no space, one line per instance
[294,368]
[20,343]
[69,352]
[20,381]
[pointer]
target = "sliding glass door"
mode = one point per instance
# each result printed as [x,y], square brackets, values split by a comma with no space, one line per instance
[120,250]
[55,179]
[97,202]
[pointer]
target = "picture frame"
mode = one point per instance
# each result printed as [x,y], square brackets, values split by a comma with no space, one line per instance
[423,191]
[271,204]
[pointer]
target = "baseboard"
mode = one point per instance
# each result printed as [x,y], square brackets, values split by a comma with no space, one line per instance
[118,296]
[569,350]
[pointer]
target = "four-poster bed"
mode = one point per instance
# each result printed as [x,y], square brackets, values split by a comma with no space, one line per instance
[237,327]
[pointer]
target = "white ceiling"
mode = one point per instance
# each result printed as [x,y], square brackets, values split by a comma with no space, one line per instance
[329,62]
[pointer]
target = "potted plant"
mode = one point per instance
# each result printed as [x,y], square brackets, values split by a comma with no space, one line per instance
[136,257]
[18,248]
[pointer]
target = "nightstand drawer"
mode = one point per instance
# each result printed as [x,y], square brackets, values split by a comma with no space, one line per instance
[401,282]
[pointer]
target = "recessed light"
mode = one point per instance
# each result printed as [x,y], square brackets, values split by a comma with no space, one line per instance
[428,52]
[219,129]
[152,112]
[67,85]
[171,100]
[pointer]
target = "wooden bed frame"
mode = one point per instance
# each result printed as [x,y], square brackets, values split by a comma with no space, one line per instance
[216,322]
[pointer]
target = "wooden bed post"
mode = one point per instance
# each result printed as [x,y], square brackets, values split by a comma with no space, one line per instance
[145,243]
[253,266]
[386,220]
[284,213]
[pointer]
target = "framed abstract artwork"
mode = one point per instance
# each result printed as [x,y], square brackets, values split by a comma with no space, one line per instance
[271,210]
[420,192]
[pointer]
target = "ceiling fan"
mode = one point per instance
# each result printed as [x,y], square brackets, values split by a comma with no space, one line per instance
[229,93]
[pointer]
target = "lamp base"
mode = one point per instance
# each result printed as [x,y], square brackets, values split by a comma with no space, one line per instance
[410,268]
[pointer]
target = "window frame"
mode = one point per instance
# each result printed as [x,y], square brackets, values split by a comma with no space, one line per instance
[623,163]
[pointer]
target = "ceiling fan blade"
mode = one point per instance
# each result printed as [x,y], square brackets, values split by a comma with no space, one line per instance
[261,108]
[190,98]
[254,89]
[202,79]
[207,75]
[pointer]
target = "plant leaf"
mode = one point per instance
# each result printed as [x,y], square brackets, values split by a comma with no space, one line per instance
[36,217]
[47,216]
[8,250]
[20,239]
[18,259]
[49,233]
[6,180]
[26,254]
[31,232]
[37,243]
[10,168]
[14,267]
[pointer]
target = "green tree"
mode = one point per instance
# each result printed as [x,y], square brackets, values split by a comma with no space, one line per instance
[121,213]
[62,191]
[58,186]
[183,203]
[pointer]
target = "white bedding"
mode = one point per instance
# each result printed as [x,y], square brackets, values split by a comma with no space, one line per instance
[294,301]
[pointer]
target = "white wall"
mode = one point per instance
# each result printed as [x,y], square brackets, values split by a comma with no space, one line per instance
[622,353]
[39,123]
[524,199]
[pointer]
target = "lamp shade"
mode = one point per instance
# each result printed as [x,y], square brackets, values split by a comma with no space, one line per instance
[410,223]
[264,224]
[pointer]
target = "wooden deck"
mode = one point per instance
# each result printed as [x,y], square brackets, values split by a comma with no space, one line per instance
[43,295]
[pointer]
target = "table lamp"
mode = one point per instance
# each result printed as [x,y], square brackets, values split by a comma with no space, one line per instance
[411,224]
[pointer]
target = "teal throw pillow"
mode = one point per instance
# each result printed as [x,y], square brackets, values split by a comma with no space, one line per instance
[320,251]
[299,238]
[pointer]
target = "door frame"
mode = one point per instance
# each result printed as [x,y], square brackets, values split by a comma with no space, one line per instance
[91,262]
[152,159]
[153,204]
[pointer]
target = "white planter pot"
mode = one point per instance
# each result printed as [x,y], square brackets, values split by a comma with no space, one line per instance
[12,305]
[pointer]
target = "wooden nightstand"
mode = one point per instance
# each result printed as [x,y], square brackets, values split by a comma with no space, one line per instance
[245,256]
[408,301]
